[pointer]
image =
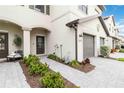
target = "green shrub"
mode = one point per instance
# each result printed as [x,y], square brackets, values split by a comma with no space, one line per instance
[54,57]
[52,80]
[38,68]
[105,51]
[120,59]
[117,47]
[121,50]
[74,63]
[30,59]
[25,59]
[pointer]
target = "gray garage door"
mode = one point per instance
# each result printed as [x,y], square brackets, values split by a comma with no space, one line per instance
[88,46]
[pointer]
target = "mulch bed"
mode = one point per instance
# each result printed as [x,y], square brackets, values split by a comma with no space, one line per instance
[33,80]
[84,68]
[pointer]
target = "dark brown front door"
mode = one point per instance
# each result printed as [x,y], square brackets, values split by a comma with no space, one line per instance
[40,43]
[3,45]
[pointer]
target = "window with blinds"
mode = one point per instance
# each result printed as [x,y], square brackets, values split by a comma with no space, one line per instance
[41,8]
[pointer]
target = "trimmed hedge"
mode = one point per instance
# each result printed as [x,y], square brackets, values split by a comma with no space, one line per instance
[52,80]
[55,57]
[105,51]
[74,63]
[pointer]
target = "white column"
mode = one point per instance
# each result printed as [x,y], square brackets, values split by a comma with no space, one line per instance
[26,41]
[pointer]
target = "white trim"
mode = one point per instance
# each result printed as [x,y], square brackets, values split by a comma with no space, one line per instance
[4,31]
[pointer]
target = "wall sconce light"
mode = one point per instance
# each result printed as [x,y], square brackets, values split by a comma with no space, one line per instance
[80,35]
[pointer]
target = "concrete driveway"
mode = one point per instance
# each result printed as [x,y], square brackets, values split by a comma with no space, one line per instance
[11,76]
[116,55]
[107,74]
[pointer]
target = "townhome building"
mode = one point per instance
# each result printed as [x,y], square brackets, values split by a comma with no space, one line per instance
[71,32]
[113,38]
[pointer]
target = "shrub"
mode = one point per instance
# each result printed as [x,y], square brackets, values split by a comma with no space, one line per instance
[104,50]
[121,50]
[117,47]
[52,80]
[38,68]
[54,57]
[74,63]
[30,59]
[25,59]
[120,59]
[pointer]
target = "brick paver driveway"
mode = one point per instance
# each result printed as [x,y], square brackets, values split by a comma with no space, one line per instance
[108,73]
[11,76]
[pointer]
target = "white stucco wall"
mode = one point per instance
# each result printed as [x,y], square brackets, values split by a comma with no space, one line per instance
[12,30]
[109,42]
[25,17]
[90,28]
[55,23]
[61,34]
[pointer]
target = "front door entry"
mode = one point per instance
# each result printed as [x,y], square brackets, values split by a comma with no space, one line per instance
[3,45]
[40,43]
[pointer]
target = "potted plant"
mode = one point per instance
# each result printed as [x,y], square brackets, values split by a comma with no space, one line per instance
[117,47]
[17,40]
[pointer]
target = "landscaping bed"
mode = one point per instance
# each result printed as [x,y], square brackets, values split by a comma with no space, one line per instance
[74,64]
[35,80]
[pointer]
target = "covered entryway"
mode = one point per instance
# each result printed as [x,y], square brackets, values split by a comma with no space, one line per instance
[8,33]
[38,39]
[88,46]
[3,45]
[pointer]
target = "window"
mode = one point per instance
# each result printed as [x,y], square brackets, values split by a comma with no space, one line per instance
[41,8]
[84,8]
[47,9]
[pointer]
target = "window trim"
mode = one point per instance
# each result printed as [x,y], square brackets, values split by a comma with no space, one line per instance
[45,9]
[83,6]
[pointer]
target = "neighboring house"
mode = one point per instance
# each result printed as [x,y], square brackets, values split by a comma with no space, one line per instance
[113,38]
[73,46]
[72,32]
[122,41]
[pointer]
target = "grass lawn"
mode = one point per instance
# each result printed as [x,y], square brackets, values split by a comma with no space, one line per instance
[120,59]
[121,50]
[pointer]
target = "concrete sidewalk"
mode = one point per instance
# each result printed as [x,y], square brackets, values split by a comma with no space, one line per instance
[11,76]
[108,73]
[116,55]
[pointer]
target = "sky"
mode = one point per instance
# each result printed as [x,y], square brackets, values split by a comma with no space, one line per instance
[118,12]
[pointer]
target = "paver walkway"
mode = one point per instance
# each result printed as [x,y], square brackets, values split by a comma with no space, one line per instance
[11,76]
[108,73]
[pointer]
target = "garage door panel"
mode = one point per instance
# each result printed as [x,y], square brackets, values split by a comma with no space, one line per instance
[88,46]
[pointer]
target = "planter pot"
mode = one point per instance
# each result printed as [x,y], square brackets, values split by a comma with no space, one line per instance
[117,50]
